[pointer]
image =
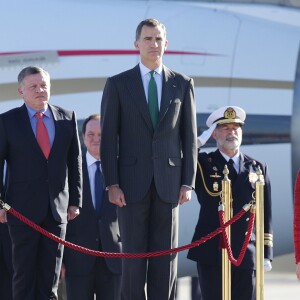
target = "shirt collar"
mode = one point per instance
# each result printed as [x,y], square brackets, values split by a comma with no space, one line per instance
[32,112]
[90,159]
[145,70]
[236,158]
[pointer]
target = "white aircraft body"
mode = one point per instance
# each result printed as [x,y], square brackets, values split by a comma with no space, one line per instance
[237,54]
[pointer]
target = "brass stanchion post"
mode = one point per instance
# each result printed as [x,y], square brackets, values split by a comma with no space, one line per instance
[226,266]
[259,196]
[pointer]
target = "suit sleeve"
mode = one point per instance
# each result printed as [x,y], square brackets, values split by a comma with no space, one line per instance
[110,112]
[75,168]
[297,218]
[188,132]
[2,156]
[268,230]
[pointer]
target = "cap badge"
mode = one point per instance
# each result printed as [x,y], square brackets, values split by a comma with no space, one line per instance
[229,113]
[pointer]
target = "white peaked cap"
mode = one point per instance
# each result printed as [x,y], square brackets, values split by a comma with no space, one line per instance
[227,114]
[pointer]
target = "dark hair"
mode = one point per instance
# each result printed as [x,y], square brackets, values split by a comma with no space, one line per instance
[30,71]
[149,23]
[91,117]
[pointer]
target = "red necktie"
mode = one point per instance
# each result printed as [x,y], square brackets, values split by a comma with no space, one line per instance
[42,135]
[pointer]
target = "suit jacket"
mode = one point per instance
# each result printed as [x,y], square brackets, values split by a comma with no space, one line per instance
[132,153]
[212,165]
[95,233]
[33,182]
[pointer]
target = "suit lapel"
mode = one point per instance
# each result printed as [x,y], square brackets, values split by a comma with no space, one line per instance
[88,202]
[56,117]
[247,166]
[219,161]
[168,92]
[25,124]
[138,93]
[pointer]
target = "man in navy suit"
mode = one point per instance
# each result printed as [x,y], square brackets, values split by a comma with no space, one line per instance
[225,126]
[87,275]
[44,183]
[5,257]
[149,156]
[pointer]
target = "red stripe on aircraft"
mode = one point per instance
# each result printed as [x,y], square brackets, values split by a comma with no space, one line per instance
[105,52]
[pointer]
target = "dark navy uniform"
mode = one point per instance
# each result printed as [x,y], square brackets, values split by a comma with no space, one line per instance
[209,255]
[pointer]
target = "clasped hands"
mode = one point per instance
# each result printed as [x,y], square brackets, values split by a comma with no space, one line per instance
[116,195]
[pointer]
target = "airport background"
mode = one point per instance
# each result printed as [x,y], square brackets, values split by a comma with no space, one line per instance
[281,282]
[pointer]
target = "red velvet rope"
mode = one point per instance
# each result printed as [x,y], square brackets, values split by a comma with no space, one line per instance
[238,261]
[124,255]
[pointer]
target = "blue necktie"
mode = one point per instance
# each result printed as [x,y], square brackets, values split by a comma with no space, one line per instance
[153,99]
[98,188]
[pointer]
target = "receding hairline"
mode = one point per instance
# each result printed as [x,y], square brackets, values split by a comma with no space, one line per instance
[88,119]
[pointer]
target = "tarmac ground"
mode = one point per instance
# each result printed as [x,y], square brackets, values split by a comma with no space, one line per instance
[280,283]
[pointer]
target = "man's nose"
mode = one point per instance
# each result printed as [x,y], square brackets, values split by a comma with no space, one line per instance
[39,89]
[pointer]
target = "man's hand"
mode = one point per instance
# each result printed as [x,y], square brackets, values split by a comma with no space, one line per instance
[185,194]
[3,216]
[62,275]
[203,138]
[116,196]
[298,270]
[267,265]
[73,212]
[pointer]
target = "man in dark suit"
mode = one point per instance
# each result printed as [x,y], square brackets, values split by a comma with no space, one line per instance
[40,144]
[6,270]
[149,155]
[87,275]
[5,264]
[225,126]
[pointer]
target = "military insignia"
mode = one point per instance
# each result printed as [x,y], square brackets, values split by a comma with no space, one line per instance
[252,177]
[215,169]
[209,159]
[215,175]
[215,186]
[229,113]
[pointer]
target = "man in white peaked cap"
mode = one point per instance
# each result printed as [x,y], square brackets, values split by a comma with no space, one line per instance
[225,126]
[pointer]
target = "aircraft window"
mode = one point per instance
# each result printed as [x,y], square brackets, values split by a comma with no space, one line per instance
[258,129]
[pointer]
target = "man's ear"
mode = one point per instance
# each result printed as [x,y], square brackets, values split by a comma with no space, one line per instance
[136,44]
[166,45]
[20,91]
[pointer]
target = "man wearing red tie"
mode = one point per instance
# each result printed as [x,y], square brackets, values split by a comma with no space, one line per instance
[40,144]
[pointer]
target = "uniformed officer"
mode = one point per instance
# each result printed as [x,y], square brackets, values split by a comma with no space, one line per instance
[225,126]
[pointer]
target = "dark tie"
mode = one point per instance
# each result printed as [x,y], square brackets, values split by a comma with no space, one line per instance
[153,99]
[42,134]
[98,187]
[232,171]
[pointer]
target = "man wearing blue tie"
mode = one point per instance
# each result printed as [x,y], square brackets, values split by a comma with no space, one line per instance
[97,229]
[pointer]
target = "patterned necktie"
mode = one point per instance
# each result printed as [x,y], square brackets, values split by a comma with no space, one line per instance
[42,134]
[153,100]
[232,170]
[98,188]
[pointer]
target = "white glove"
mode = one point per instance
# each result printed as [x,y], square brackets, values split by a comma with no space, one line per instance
[205,135]
[267,265]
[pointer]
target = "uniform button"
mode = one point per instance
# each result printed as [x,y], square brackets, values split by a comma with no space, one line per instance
[247,219]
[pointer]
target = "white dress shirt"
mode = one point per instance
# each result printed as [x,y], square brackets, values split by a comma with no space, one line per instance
[236,160]
[91,166]
[158,79]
